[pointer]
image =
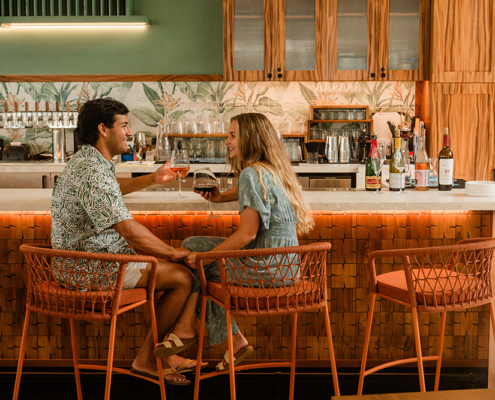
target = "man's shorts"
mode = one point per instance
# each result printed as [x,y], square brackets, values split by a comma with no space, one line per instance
[133,274]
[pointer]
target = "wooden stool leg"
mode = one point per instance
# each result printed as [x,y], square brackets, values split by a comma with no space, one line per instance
[111,348]
[230,343]
[73,340]
[293,356]
[200,348]
[21,355]
[417,339]
[332,353]
[440,350]
[151,308]
[367,336]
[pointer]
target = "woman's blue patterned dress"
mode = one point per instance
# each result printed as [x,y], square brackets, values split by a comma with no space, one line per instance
[277,229]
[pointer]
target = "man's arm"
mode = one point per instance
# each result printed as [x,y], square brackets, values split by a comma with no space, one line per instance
[161,175]
[141,238]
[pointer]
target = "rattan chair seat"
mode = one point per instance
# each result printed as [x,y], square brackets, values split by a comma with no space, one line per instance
[52,299]
[439,286]
[282,300]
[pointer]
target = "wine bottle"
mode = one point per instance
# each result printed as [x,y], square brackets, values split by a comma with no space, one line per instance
[422,173]
[396,179]
[372,181]
[445,164]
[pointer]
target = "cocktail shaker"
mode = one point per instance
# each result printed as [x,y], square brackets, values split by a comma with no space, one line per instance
[331,149]
[344,149]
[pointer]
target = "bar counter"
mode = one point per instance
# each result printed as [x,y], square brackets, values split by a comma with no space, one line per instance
[355,222]
[356,200]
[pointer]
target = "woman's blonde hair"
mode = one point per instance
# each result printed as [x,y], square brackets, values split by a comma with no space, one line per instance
[259,146]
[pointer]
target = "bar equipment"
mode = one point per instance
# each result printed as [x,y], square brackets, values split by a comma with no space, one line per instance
[331,149]
[344,149]
[140,145]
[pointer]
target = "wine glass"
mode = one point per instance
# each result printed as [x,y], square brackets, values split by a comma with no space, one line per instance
[205,181]
[400,164]
[377,161]
[180,164]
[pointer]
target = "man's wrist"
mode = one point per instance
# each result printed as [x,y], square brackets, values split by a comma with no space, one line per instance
[152,178]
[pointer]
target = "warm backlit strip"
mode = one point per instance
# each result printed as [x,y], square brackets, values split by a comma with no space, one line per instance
[75,25]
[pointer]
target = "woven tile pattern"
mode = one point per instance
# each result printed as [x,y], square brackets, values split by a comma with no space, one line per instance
[353,236]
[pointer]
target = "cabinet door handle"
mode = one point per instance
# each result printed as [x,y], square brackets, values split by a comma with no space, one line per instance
[43,182]
[372,74]
[383,69]
[279,69]
[383,75]
[269,75]
[279,75]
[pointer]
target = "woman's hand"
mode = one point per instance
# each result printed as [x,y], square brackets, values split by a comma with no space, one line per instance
[214,196]
[190,260]
[164,174]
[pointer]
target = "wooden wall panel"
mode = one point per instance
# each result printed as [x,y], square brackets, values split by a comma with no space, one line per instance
[353,235]
[468,110]
[463,38]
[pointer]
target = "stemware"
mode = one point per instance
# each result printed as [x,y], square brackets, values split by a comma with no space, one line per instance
[205,181]
[180,164]
[377,161]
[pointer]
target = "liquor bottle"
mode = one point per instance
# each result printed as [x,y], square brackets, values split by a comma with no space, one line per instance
[422,173]
[372,181]
[445,164]
[396,178]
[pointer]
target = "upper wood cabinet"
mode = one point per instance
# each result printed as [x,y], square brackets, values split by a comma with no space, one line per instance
[378,39]
[463,41]
[273,40]
[326,39]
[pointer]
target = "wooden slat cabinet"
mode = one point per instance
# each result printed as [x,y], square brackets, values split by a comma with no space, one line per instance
[402,40]
[463,41]
[468,110]
[378,39]
[273,40]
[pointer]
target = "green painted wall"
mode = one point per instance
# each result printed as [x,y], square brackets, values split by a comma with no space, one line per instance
[185,37]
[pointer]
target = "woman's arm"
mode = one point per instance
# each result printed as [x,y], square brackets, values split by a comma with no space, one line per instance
[248,229]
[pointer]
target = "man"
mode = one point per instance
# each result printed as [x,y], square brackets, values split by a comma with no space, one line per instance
[89,214]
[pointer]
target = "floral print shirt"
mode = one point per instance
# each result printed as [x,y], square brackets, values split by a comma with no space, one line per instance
[86,203]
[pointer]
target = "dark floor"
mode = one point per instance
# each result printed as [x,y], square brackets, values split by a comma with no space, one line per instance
[55,384]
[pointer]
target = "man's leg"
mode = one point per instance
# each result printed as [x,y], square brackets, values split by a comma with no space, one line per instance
[176,280]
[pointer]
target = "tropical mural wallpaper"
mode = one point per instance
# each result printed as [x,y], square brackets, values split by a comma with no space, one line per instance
[149,102]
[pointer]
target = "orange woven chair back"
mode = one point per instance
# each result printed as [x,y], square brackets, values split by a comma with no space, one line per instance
[76,285]
[448,277]
[270,281]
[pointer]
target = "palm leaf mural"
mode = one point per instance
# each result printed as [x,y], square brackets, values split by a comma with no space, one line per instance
[147,115]
[153,97]
[307,93]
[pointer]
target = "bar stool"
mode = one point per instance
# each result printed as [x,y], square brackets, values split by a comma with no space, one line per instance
[294,280]
[434,280]
[85,298]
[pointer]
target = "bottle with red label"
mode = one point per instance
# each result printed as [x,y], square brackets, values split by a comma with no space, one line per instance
[373,183]
[445,164]
[422,173]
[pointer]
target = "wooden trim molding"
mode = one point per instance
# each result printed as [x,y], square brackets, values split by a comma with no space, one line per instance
[110,78]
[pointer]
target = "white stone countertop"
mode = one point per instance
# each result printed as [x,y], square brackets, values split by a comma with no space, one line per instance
[456,200]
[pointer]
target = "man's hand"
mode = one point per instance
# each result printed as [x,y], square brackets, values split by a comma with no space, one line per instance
[214,196]
[190,260]
[179,253]
[164,174]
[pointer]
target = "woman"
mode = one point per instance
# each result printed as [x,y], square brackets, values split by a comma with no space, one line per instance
[272,211]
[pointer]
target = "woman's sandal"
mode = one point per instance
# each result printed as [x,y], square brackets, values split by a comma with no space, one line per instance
[182,369]
[238,358]
[173,345]
[154,376]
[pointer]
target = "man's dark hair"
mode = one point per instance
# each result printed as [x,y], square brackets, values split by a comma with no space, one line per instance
[92,114]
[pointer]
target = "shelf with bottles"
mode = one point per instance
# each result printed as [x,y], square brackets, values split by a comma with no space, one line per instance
[224,135]
[349,112]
